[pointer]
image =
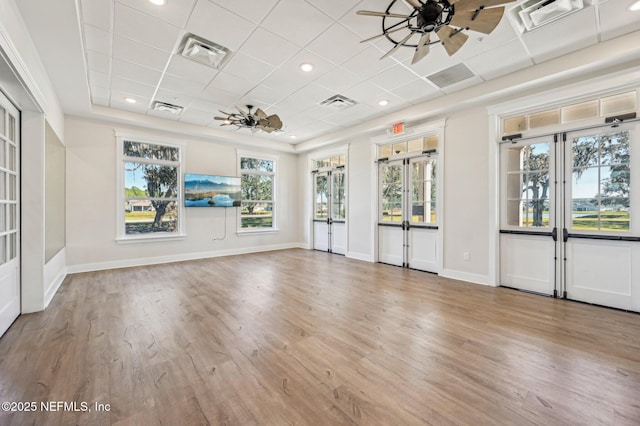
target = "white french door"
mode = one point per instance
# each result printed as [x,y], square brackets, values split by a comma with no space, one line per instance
[570,223]
[407,219]
[329,220]
[9,214]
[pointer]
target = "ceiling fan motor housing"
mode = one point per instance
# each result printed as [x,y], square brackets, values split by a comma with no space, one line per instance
[431,14]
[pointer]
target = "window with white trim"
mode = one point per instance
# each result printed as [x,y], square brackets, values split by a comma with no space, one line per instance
[258,180]
[150,193]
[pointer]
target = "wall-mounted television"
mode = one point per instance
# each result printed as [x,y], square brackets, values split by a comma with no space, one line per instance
[211,191]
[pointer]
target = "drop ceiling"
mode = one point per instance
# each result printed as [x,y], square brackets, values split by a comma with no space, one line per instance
[132,49]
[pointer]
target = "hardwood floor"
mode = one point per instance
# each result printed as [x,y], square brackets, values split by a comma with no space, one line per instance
[303,337]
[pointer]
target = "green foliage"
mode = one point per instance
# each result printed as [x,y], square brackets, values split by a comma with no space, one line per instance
[135,192]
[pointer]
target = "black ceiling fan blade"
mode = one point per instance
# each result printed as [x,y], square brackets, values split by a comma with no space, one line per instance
[383,34]
[382,14]
[483,20]
[451,39]
[422,49]
[477,4]
[397,46]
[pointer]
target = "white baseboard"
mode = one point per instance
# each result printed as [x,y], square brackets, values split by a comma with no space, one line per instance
[466,276]
[127,263]
[55,272]
[360,256]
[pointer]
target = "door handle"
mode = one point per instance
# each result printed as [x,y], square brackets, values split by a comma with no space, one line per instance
[554,234]
[565,235]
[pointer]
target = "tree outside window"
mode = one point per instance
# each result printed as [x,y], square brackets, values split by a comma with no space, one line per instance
[258,183]
[151,188]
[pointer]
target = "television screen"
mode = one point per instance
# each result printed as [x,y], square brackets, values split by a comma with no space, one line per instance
[211,191]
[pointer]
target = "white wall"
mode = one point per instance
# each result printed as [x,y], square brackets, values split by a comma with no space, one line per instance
[91,201]
[25,81]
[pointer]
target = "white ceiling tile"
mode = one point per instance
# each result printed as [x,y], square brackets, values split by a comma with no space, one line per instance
[416,90]
[265,94]
[135,72]
[99,79]
[462,85]
[175,12]
[199,118]
[131,51]
[269,48]
[369,26]
[118,101]
[98,62]
[175,98]
[368,63]
[505,59]
[337,44]
[296,21]
[209,107]
[479,43]
[393,77]
[100,92]
[146,29]
[254,11]
[395,102]
[132,87]
[364,92]
[97,13]
[290,77]
[97,40]
[555,39]
[190,70]
[248,68]
[616,20]
[231,83]
[218,25]
[435,61]
[305,98]
[220,97]
[181,85]
[338,79]
[97,100]
[335,8]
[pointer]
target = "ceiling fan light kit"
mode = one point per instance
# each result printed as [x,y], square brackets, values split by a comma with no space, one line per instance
[446,18]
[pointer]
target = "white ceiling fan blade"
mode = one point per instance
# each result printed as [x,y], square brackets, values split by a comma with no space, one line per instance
[397,46]
[382,14]
[244,114]
[422,49]
[381,35]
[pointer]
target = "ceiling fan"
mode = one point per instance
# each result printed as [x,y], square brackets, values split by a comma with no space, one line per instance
[446,18]
[255,121]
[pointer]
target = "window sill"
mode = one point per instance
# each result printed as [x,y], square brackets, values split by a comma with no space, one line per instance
[149,239]
[258,232]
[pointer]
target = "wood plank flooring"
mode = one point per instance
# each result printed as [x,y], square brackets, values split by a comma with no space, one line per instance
[308,338]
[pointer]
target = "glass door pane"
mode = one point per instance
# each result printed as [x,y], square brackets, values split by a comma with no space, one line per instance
[391,192]
[423,191]
[321,198]
[338,211]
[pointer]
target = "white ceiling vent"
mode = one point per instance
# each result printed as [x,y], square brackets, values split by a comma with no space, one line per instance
[338,102]
[165,107]
[451,75]
[204,51]
[532,14]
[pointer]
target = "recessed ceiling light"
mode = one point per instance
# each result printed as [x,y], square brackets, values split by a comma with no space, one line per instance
[159,2]
[383,102]
[130,100]
[635,6]
[293,137]
[306,67]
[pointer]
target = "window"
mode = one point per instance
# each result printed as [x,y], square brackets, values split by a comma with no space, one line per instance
[601,182]
[415,146]
[258,174]
[151,197]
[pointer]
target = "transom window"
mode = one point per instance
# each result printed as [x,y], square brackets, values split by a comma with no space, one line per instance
[258,175]
[418,145]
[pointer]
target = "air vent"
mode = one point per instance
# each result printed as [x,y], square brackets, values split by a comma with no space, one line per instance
[204,51]
[165,107]
[532,14]
[338,102]
[451,75]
